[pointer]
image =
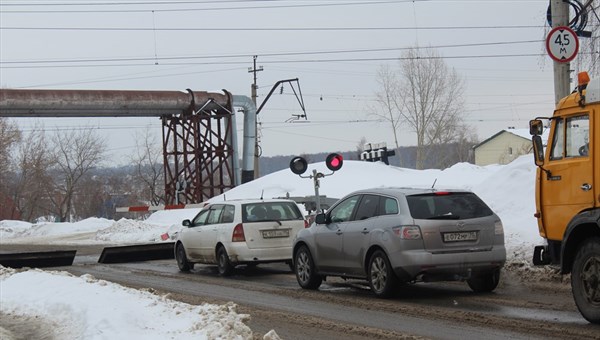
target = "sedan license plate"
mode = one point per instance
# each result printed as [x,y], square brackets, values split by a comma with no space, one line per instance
[462,236]
[275,233]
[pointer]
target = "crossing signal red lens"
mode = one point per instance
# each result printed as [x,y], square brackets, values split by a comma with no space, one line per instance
[298,165]
[334,161]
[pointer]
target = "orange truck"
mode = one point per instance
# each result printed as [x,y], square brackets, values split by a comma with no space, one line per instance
[567,195]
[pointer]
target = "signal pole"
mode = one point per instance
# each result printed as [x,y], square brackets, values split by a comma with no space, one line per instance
[562,82]
[254,88]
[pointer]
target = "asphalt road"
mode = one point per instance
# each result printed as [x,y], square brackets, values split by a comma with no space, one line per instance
[528,304]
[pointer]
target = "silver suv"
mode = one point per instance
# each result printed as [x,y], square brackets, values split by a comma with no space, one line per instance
[395,235]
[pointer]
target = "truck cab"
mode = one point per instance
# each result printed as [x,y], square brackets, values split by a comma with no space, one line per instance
[567,195]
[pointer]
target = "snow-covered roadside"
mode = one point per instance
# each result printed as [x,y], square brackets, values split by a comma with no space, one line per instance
[88,308]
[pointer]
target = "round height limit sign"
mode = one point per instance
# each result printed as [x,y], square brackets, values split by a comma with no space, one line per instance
[562,44]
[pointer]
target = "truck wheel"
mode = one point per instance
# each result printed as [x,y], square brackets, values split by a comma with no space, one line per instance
[485,283]
[585,280]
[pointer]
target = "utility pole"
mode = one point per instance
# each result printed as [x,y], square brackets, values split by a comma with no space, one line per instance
[562,82]
[254,88]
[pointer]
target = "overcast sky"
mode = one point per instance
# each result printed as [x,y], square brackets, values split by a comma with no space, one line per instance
[333,47]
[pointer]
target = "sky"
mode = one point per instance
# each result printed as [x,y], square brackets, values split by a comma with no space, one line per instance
[334,48]
[507,189]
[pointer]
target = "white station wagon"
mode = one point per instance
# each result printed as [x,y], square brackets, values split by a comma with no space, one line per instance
[239,232]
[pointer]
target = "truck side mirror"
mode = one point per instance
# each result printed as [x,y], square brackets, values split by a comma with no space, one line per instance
[536,127]
[538,150]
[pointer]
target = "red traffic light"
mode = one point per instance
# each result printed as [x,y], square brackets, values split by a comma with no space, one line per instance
[298,165]
[334,161]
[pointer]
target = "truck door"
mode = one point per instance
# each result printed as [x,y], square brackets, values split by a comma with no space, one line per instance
[567,188]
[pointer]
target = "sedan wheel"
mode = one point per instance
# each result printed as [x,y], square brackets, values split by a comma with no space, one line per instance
[382,278]
[182,261]
[304,268]
[223,263]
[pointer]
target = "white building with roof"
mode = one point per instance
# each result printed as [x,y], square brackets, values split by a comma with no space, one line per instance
[504,147]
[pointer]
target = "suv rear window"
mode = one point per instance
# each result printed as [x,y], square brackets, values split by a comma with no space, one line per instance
[271,211]
[447,205]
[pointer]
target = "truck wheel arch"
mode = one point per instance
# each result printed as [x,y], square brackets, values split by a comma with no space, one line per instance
[583,226]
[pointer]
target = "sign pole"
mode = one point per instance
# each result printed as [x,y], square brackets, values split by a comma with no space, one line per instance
[560,17]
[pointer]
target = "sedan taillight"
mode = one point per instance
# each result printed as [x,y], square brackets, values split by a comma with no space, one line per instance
[238,234]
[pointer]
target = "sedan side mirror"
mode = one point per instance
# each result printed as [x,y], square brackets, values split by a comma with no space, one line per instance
[186,223]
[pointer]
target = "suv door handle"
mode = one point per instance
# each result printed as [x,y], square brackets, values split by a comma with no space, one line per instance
[586,187]
[339,232]
[365,231]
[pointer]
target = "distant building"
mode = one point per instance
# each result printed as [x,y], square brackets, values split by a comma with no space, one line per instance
[503,147]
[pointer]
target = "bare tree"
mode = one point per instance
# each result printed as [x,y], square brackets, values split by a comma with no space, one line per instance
[427,96]
[32,180]
[388,100]
[149,169]
[9,137]
[75,153]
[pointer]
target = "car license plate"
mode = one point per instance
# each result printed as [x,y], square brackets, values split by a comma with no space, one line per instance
[462,236]
[275,233]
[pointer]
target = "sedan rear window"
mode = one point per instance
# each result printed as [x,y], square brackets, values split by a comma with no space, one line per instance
[447,205]
[271,211]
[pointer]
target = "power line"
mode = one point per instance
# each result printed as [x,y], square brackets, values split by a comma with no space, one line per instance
[266,55]
[268,29]
[96,10]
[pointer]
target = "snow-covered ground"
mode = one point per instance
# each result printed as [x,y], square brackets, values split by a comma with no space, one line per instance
[96,309]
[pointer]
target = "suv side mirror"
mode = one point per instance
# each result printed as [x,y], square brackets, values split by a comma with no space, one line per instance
[186,223]
[538,150]
[536,127]
[321,218]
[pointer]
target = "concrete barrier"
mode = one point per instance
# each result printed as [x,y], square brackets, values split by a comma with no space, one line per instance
[136,253]
[38,259]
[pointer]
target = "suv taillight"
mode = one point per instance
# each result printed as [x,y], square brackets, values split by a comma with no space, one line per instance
[306,223]
[238,234]
[409,232]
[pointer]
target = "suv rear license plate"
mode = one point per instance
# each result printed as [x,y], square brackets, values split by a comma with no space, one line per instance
[462,236]
[276,233]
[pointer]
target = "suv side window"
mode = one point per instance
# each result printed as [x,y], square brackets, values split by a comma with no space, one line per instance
[343,211]
[368,207]
[388,206]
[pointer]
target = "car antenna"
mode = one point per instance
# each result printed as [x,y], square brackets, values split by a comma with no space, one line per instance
[224,197]
[261,194]
[433,185]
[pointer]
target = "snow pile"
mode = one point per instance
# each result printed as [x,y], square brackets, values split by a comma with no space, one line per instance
[10,228]
[112,311]
[130,231]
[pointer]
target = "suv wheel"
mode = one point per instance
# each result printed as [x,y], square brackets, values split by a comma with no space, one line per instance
[382,278]
[181,259]
[224,265]
[304,267]
[485,283]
